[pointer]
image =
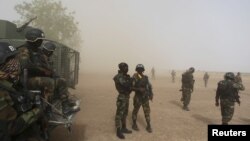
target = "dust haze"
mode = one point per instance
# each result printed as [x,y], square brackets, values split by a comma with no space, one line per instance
[165,34]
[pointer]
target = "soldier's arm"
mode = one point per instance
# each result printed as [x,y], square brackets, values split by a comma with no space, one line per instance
[218,93]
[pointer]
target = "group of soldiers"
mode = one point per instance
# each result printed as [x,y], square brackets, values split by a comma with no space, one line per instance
[227,92]
[139,83]
[29,67]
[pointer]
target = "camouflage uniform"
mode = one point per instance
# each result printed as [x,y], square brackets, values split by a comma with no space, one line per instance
[238,78]
[13,119]
[173,73]
[36,76]
[228,95]
[123,86]
[187,88]
[141,98]
[205,78]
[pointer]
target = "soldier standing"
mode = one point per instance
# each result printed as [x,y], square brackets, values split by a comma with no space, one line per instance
[143,93]
[123,85]
[205,78]
[153,73]
[187,87]
[173,73]
[238,78]
[227,93]
[14,120]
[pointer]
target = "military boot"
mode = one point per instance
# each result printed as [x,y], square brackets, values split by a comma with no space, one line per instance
[119,133]
[124,128]
[134,126]
[148,128]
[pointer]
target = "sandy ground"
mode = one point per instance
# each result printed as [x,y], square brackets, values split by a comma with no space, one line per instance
[95,122]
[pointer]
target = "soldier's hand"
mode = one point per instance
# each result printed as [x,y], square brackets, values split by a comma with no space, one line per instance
[217,104]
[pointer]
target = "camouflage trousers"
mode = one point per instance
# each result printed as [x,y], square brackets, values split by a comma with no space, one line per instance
[138,102]
[186,96]
[52,87]
[122,105]
[227,110]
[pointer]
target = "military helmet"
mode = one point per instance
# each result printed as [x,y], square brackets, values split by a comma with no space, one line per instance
[229,75]
[6,51]
[191,69]
[49,46]
[34,34]
[139,66]
[122,65]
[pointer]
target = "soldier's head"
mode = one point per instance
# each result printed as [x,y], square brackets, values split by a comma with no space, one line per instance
[123,67]
[139,68]
[238,74]
[48,48]
[8,64]
[34,37]
[191,69]
[229,76]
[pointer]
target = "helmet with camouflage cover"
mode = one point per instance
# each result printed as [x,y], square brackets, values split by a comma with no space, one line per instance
[139,67]
[6,51]
[49,46]
[191,69]
[229,76]
[122,65]
[34,34]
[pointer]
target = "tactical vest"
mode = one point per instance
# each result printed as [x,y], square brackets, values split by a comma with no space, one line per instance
[125,87]
[226,89]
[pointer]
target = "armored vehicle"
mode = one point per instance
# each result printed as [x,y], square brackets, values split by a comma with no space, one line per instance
[66,59]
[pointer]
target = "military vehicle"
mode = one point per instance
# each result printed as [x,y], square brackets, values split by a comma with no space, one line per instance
[66,59]
[65,64]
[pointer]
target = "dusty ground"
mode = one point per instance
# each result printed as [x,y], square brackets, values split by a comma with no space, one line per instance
[95,122]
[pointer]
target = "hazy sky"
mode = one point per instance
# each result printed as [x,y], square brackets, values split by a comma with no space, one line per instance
[167,34]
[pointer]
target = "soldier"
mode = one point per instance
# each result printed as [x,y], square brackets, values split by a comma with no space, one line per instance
[187,87]
[205,78]
[173,74]
[227,94]
[153,73]
[34,39]
[44,68]
[15,118]
[238,78]
[143,93]
[123,86]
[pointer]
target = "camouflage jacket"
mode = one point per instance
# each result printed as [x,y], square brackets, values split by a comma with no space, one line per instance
[123,83]
[228,89]
[141,81]
[187,80]
[35,61]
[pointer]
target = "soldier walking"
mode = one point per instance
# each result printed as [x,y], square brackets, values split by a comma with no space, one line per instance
[227,95]
[173,74]
[123,85]
[143,93]
[187,87]
[205,78]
